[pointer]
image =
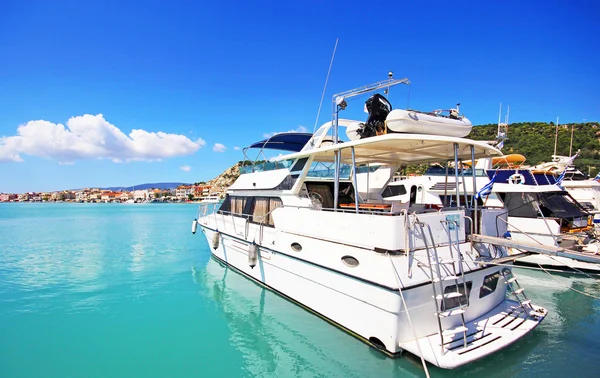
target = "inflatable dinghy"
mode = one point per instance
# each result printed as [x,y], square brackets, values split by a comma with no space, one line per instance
[382,120]
[415,122]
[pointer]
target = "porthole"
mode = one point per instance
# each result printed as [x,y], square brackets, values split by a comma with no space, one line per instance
[350,261]
[296,247]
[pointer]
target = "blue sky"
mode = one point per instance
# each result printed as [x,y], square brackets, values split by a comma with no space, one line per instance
[197,79]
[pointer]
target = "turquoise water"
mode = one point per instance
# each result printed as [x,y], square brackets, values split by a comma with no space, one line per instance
[116,290]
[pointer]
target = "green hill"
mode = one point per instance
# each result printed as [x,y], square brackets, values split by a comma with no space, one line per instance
[535,140]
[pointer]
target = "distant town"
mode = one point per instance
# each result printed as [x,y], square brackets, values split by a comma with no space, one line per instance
[182,193]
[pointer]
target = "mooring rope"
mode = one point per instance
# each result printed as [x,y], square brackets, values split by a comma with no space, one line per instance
[408,316]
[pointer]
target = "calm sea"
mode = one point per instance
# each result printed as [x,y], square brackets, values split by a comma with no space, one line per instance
[116,290]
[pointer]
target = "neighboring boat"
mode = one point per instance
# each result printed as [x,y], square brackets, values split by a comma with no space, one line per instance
[538,210]
[304,226]
[584,189]
[211,199]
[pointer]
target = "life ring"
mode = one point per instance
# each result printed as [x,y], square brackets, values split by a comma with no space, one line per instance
[517,179]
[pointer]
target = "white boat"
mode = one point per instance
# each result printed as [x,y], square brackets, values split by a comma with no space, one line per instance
[211,199]
[584,189]
[538,211]
[397,278]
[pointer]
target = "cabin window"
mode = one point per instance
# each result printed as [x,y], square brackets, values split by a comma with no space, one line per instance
[299,165]
[367,168]
[413,195]
[489,284]
[587,205]
[560,206]
[451,303]
[263,208]
[225,206]
[322,192]
[394,190]
[238,205]
[350,261]
[287,183]
[520,204]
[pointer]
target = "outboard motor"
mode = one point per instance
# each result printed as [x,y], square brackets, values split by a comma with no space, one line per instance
[378,107]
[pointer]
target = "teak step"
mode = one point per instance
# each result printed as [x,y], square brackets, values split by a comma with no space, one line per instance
[518,291]
[511,280]
[453,331]
[444,314]
[454,294]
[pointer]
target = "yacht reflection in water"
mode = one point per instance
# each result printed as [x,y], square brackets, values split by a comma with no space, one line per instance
[277,338]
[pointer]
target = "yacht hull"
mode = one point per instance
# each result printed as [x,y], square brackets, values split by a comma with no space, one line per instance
[375,314]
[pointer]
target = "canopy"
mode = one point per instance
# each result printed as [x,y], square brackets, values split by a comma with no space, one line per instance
[403,148]
[284,141]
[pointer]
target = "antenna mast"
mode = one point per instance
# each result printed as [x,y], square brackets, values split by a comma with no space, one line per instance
[556,138]
[502,128]
[325,87]
[571,146]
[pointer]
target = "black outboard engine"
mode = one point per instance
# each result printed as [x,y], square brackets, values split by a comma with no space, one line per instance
[378,107]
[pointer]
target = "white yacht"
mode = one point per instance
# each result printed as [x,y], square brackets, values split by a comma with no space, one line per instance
[213,198]
[538,210]
[584,189]
[309,226]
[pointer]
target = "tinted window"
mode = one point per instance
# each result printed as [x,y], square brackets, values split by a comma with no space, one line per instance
[226,205]
[394,190]
[237,205]
[489,285]
[520,204]
[451,303]
[299,165]
[287,183]
[560,206]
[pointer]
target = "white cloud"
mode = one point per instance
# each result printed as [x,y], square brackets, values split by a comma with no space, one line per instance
[218,147]
[91,137]
[236,148]
[185,168]
[299,129]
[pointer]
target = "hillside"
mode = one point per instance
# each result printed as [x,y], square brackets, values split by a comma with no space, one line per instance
[535,140]
[158,185]
[225,179]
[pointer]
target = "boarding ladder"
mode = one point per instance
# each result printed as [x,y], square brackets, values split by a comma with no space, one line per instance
[515,290]
[444,270]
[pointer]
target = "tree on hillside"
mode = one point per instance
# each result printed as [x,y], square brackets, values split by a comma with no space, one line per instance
[535,140]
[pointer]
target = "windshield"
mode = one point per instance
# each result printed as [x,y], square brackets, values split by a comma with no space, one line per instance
[263,166]
[327,170]
[438,170]
[554,204]
[560,206]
